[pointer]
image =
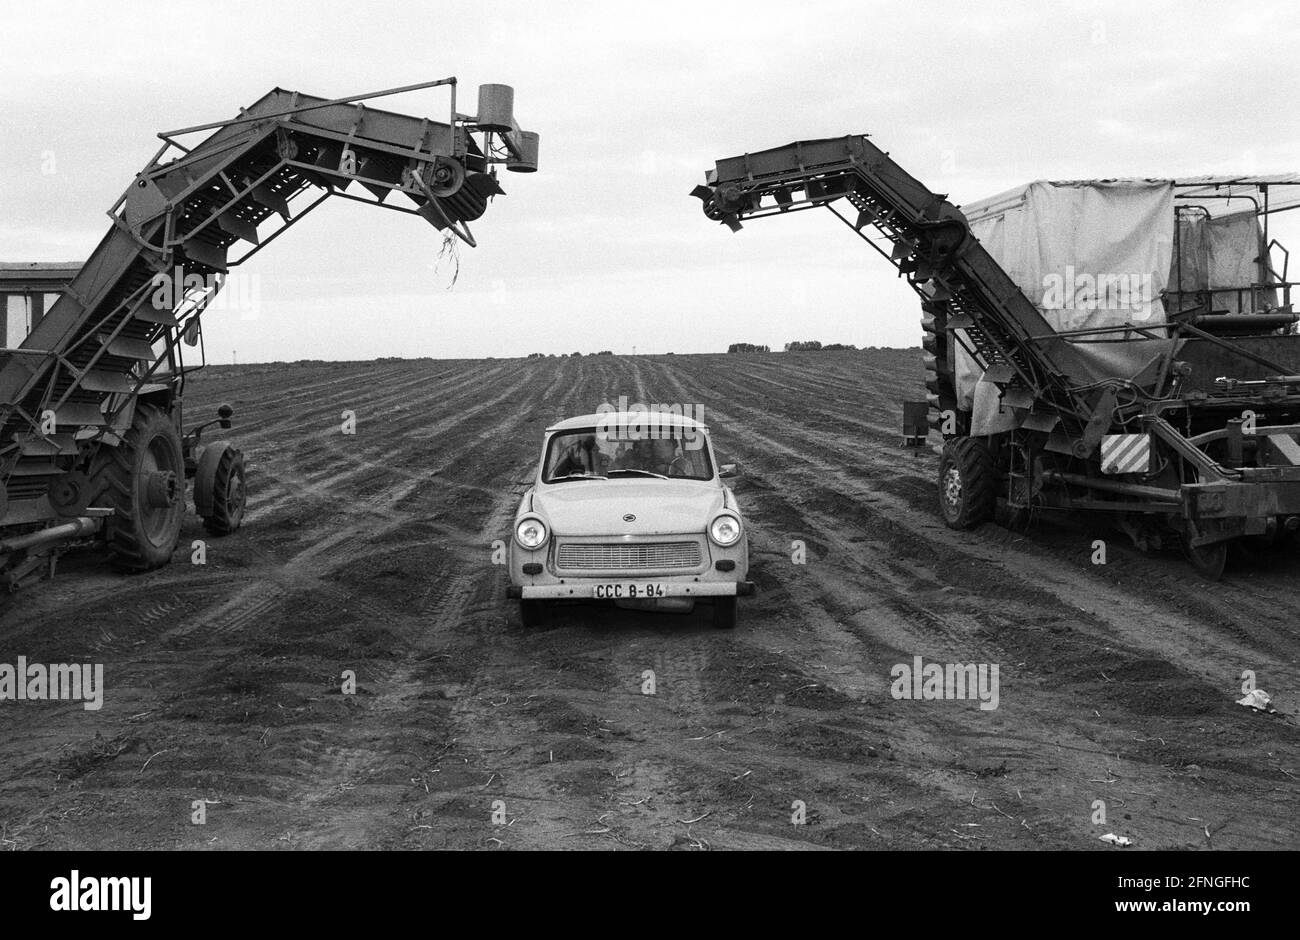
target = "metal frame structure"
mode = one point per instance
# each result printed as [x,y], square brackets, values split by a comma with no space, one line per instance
[195,211]
[1221,416]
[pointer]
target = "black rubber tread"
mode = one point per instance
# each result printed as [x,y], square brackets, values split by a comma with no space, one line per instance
[226,516]
[979,478]
[129,546]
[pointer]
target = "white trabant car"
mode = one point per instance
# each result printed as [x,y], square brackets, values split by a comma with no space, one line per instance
[631,513]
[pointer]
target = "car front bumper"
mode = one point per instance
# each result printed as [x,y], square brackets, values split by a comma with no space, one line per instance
[586,590]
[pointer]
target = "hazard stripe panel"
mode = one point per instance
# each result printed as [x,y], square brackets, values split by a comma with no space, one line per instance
[1125,453]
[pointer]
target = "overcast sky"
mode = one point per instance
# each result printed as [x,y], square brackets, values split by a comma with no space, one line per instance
[603,248]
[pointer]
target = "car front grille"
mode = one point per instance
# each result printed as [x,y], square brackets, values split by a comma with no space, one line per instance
[645,556]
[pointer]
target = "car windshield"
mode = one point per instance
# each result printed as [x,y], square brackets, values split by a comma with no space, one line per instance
[588,454]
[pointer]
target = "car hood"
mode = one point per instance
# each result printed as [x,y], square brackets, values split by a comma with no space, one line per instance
[599,507]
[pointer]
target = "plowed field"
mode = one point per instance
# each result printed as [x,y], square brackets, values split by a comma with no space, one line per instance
[372,552]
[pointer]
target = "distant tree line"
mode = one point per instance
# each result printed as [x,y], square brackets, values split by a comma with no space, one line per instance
[537,355]
[813,345]
[747,347]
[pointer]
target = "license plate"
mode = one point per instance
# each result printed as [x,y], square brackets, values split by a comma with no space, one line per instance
[629,590]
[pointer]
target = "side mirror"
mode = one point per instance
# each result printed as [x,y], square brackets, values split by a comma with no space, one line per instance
[191,334]
[728,471]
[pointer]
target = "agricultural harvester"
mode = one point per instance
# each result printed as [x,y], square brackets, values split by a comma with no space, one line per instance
[1176,413]
[91,441]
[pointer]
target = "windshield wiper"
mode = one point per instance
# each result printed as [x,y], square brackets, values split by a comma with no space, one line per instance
[577,476]
[657,476]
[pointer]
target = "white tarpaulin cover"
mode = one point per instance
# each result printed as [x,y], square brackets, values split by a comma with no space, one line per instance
[1219,239]
[1088,254]
[1219,252]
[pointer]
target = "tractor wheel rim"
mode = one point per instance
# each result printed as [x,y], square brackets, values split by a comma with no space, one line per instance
[160,489]
[952,487]
[155,520]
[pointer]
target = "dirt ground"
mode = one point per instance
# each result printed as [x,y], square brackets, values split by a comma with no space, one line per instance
[373,553]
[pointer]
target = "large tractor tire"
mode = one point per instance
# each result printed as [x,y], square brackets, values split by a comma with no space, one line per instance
[144,480]
[221,478]
[967,483]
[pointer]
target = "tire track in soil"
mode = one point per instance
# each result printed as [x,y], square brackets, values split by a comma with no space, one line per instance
[484,716]
[1075,575]
[322,402]
[833,520]
[129,587]
[828,634]
[373,515]
[250,614]
[396,691]
[393,689]
[603,728]
[392,399]
[538,783]
[598,766]
[459,706]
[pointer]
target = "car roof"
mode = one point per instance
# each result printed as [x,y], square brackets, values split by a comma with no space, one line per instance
[618,418]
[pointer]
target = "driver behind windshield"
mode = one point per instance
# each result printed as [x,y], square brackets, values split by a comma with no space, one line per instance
[581,457]
[657,455]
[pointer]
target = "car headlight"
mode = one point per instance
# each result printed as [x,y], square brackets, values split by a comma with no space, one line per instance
[725,530]
[531,533]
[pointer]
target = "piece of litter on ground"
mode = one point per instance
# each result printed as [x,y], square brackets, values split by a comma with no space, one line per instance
[1259,700]
[1121,841]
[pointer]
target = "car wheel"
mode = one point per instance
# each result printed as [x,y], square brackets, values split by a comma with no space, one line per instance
[534,613]
[724,613]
